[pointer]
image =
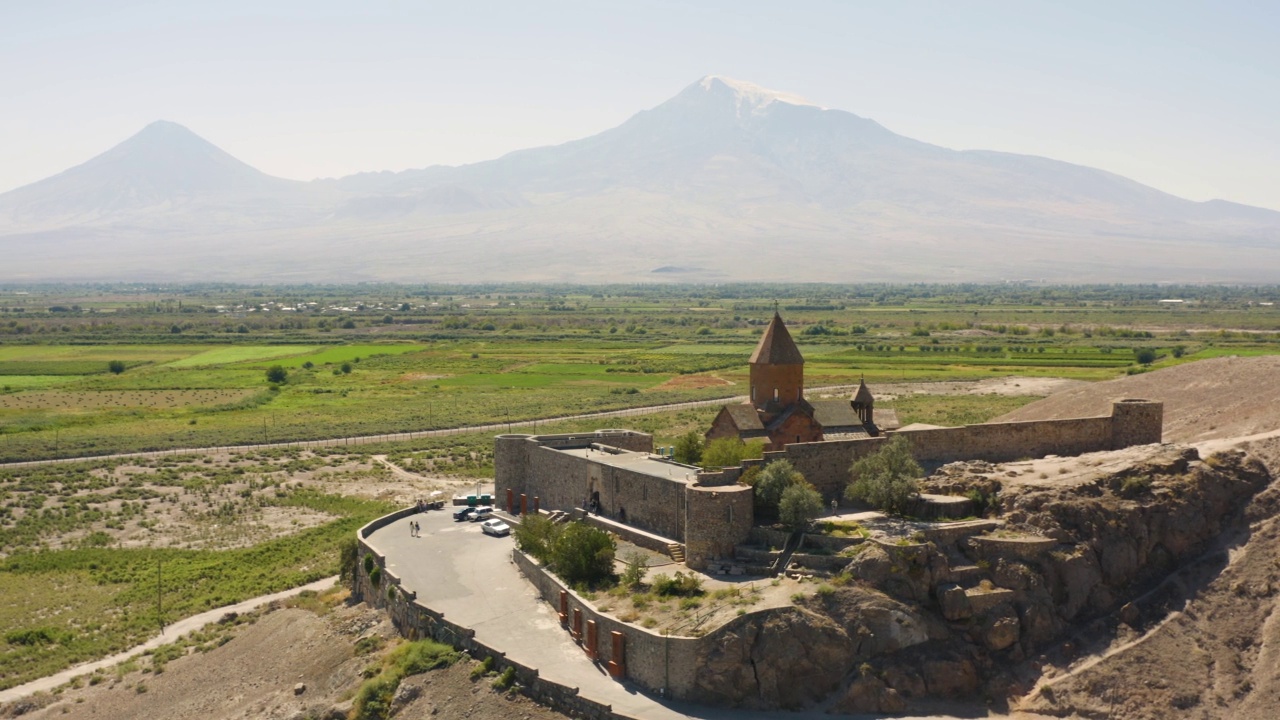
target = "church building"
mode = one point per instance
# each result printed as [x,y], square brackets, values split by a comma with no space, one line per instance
[777,411]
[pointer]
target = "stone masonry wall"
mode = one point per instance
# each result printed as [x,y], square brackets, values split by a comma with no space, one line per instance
[1133,422]
[826,464]
[652,661]
[1003,442]
[563,481]
[720,517]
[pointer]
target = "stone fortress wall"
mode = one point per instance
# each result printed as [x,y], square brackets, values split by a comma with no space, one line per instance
[1131,422]
[709,513]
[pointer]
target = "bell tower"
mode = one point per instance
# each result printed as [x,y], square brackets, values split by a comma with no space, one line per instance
[777,369]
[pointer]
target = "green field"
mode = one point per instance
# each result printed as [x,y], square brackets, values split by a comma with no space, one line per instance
[227,355]
[383,359]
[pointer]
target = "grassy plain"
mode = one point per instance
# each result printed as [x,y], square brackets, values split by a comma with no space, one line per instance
[437,358]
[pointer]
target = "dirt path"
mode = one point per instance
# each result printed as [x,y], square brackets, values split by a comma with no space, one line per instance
[170,634]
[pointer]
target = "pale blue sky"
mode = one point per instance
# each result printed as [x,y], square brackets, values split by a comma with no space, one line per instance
[1184,96]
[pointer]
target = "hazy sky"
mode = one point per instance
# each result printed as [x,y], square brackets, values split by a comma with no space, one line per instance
[1179,95]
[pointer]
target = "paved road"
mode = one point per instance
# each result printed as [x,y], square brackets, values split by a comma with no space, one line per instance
[171,633]
[459,571]
[396,437]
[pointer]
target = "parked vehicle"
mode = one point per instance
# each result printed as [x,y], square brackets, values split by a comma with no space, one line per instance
[481,514]
[463,514]
[495,527]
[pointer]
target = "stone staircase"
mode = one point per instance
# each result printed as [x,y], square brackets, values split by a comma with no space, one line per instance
[676,551]
[558,516]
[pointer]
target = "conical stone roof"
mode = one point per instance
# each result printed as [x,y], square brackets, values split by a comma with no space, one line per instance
[863,395]
[776,346]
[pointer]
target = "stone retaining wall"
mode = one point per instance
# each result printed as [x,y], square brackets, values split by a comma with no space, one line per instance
[658,663]
[630,534]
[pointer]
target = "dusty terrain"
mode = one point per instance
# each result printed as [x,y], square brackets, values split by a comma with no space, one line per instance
[292,662]
[1216,398]
[219,500]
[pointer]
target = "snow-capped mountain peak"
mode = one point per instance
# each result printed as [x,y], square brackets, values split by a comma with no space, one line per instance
[749,96]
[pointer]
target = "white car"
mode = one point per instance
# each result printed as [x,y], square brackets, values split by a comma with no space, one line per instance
[495,527]
[482,513]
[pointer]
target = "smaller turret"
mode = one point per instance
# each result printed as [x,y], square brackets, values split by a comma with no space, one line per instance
[863,403]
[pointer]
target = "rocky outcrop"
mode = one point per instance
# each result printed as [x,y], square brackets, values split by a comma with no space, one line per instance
[959,615]
[775,659]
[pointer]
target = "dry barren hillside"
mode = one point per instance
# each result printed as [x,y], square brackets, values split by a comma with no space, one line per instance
[1218,398]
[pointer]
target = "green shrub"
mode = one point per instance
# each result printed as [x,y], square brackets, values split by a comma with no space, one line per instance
[637,564]
[348,552]
[583,554]
[682,585]
[505,679]
[730,452]
[375,576]
[886,479]
[536,535]
[800,504]
[688,448]
[484,668]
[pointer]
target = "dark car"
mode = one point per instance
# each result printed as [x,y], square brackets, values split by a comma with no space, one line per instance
[463,514]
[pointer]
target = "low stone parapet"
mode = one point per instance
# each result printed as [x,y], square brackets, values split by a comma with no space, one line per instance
[1022,547]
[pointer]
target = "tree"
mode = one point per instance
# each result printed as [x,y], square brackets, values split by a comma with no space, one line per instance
[346,368]
[535,535]
[800,504]
[1145,356]
[277,374]
[116,367]
[583,554]
[727,452]
[688,448]
[773,481]
[886,479]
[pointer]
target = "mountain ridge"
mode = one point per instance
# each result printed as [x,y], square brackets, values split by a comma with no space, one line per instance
[725,176]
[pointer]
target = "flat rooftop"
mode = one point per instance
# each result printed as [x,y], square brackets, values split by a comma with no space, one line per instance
[639,462]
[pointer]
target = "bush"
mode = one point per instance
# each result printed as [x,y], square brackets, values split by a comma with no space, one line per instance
[506,679]
[637,564]
[115,367]
[535,535]
[348,551]
[277,374]
[682,585]
[484,668]
[1144,356]
[373,700]
[583,554]
[728,452]
[800,504]
[886,479]
[688,448]
[773,481]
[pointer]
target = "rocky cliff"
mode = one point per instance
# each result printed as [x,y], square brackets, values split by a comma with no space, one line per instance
[1085,551]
